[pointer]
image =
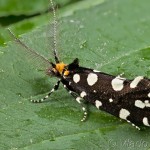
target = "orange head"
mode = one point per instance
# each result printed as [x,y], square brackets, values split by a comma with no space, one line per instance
[60,69]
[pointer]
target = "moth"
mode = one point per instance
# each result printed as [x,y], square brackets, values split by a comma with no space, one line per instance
[121,97]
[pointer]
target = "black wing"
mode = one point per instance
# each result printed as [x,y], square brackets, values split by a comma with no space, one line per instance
[126,99]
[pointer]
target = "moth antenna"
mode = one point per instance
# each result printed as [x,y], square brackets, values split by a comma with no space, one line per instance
[54,33]
[29,50]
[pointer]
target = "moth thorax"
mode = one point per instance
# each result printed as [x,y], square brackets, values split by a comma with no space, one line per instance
[60,67]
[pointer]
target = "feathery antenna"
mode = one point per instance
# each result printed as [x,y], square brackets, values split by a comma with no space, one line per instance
[30,51]
[54,32]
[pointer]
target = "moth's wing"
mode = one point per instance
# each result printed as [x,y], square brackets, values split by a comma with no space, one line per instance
[120,103]
[32,56]
[137,102]
[140,91]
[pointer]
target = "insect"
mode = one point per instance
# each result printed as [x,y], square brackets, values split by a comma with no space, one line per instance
[123,98]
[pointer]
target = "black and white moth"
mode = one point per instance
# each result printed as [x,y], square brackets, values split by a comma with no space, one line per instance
[123,98]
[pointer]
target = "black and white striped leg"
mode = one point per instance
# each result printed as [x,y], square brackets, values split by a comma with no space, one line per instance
[79,100]
[85,113]
[55,88]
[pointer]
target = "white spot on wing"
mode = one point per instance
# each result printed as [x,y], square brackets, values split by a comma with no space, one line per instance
[98,103]
[117,83]
[149,95]
[110,100]
[124,114]
[145,121]
[96,71]
[76,78]
[92,79]
[146,101]
[135,82]
[83,94]
[140,104]
[147,104]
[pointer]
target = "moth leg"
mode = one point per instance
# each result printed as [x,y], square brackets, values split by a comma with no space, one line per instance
[55,88]
[79,100]
[85,113]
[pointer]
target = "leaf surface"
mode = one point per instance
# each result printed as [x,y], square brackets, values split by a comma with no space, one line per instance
[112,37]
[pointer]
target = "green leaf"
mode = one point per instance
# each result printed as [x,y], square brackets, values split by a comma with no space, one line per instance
[112,37]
